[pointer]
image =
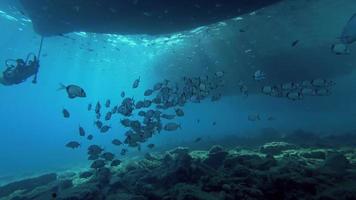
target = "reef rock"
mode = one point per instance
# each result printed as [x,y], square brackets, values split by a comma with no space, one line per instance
[27,184]
[275,148]
[216,157]
[88,191]
[336,163]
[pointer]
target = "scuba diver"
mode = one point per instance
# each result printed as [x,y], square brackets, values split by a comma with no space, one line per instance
[20,70]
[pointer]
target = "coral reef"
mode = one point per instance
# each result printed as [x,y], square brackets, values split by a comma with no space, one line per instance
[275,170]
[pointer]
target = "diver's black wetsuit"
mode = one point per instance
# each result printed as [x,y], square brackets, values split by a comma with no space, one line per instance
[16,75]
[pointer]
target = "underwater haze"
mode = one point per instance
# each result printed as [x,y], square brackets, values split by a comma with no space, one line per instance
[272,69]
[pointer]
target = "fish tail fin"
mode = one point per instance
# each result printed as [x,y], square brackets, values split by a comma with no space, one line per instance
[61,87]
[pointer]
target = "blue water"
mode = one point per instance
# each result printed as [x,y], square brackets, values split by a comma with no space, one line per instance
[33,131]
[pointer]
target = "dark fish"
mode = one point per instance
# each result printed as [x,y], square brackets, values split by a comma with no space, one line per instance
[73,91]
[148,92]
[123,152]
[90,137]
[97,164]
[116,142]
[65,113]
[198,121]
[136,83]
[214,123]
[141,113]
[179,112]
[166,116]
[115,163]
[122,94]
[98,124]
[171,126]
[157,86]
[86,174]
[114,110]
[105,129]
[125,122]
[90,106]
[295,43]
[73,145]
[151,146]
[147,103]
[108,156]
[54,195]
[107,104]
[94,150]
[198,139]
[108,116]
[81,131]
[97,107]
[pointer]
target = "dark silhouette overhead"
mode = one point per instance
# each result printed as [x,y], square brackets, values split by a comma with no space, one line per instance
[53,17]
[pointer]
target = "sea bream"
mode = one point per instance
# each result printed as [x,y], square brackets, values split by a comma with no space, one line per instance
[65,113]
[81,131]
[73,144]
[136,83]
[73,91]
[107,103]
[172,126]
[116,142]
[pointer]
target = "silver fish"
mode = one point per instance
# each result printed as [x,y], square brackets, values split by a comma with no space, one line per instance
[308,92]
[259,75]
[294,96]
[267,90]
[322,92]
